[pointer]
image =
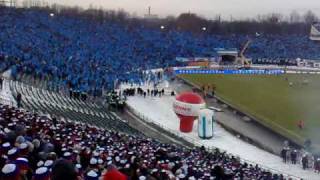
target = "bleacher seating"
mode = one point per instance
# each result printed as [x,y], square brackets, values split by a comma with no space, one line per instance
[88,56]
[34,146]
[40,100]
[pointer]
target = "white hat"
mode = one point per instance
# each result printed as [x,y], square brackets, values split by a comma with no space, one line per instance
[12,151]
[95,153]
[41,170]
[48,163]
[117,158]
[92,173]
[5,145]
[123,161]
[8,168]
[100,161]
[23,146]
[93,161]
[40,163]
[67,154]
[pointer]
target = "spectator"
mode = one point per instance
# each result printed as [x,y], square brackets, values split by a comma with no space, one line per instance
[76,150]
[300,124]
[304,161]
[10,172]
[113,174]
[284,154]
[63,169]
[63,59]
[19,99]
[317,165]
[1,82]
[293,156]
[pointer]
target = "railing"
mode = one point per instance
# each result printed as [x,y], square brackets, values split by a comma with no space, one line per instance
[196,142]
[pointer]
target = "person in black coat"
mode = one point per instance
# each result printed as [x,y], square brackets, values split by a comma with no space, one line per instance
[19,98]
[293,157]
[284,155]
[1,82]
[305,162]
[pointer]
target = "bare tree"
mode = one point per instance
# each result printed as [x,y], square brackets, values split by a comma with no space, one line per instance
[274,23]
[191,21]
[294,17]
[310,17]
[274,18]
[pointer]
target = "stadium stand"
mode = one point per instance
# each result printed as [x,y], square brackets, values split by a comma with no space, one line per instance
[34,146]
[56,104]
[88,56]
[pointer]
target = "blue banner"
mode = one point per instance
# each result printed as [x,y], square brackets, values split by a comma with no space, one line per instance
[249,71]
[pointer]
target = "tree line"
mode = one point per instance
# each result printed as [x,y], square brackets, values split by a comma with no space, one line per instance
[273,23]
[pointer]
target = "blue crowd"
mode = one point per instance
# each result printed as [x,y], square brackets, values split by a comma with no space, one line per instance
[89,56]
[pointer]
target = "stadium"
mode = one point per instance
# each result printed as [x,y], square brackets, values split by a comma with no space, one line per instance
[93,94]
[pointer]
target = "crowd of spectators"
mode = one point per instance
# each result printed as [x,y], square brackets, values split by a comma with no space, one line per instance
[39,147]
[306,159]
[89,56]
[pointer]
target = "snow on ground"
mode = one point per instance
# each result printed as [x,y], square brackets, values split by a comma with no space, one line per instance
[160,111]
[6,96]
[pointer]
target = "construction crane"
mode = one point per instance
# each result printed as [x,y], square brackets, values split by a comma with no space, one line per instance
[241,59]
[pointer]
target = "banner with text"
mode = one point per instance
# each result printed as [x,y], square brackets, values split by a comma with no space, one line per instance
[250,71]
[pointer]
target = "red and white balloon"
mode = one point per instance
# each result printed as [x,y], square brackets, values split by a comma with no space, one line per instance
[187,106]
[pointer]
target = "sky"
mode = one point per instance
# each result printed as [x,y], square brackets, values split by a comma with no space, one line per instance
[206,8]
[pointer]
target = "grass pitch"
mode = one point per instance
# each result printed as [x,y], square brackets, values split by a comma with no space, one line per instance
[277,101]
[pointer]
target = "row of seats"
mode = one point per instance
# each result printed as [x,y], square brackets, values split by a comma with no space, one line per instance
[37,99]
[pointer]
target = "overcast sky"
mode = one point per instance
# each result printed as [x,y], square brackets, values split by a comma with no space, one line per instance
[207,8]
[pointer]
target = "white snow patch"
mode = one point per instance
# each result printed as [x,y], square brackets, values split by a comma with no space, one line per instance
[6,96]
